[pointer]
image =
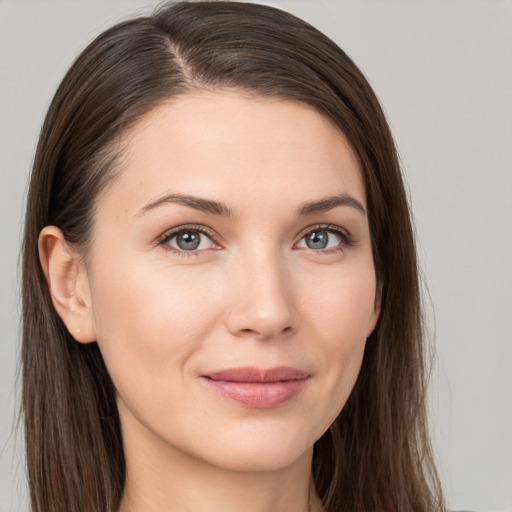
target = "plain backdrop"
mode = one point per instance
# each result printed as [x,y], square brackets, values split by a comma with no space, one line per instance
[443,71]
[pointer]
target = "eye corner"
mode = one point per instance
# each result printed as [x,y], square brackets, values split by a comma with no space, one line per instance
[194,245]
[323,244]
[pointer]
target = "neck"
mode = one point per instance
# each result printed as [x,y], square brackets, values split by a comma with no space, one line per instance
[167,480]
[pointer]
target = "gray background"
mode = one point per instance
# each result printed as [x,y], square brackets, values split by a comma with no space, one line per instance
[443,70]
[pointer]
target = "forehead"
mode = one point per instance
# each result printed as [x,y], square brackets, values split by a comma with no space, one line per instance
[231,147]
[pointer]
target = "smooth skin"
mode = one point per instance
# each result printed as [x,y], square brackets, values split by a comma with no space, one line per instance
[235,235]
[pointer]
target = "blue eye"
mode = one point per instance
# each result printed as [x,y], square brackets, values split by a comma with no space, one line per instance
[322,238]
[189,240]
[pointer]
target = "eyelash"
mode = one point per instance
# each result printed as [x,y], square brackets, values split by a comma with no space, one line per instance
[345,237]
[169,235]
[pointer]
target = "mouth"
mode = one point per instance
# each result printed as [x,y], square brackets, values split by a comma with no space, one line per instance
[258,388]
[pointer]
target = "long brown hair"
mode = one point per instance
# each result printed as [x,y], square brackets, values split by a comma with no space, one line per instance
[376,456]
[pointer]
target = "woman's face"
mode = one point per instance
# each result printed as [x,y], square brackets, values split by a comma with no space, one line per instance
[231,280]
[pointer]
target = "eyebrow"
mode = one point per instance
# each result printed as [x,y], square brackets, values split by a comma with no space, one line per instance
[216,208]
[198,203]
[328,203]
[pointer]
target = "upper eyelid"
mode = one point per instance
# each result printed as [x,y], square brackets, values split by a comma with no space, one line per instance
[164,239]
[170,233]
[347,240]
[326,227]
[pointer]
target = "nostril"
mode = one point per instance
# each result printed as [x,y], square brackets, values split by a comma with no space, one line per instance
[266,334]
[265,315]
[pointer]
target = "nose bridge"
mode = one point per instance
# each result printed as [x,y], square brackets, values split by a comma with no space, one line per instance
[261,300]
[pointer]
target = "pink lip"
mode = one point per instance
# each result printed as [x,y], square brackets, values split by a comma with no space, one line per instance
[258,388]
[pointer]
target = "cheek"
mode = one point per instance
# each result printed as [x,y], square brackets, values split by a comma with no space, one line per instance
[342,304]
[340,313]
[148,321]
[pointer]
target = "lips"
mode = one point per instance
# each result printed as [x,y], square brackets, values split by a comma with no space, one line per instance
[258,388]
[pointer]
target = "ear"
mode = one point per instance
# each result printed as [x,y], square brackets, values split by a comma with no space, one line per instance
[68,284]
[376,308]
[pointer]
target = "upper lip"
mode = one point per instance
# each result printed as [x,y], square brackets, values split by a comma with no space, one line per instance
[261,375]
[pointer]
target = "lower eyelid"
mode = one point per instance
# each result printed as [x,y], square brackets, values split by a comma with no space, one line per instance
[164,241]
[345,237]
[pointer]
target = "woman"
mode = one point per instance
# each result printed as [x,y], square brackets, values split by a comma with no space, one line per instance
[221,306]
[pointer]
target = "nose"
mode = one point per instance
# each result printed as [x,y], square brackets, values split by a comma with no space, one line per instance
[261,304]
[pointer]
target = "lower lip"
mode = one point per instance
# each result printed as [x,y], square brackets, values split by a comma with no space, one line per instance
[258,395]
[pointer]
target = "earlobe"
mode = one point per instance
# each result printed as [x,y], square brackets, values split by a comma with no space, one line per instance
[68,284]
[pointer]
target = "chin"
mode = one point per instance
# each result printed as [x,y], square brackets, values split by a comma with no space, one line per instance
[260,451]
[263,459]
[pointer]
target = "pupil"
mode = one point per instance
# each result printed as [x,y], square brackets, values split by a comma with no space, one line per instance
[188,241]
[317,240]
